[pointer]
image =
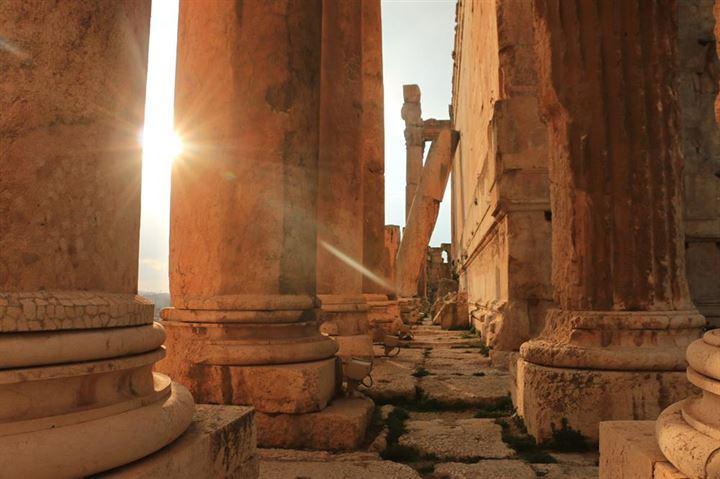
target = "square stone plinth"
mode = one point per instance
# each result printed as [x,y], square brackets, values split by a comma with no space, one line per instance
[547,397]
[219,444]
[629,450]
[339,427]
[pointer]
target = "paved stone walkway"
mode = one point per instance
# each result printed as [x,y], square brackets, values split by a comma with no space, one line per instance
[443,413]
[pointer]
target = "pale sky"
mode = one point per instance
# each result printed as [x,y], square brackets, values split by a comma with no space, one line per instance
[417,48]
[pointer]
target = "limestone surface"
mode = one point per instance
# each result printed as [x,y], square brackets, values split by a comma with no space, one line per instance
[462,439]
[498,469]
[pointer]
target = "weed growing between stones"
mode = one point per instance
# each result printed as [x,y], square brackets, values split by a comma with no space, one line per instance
[515,435]
[421,372]
[502,408]
[567,439]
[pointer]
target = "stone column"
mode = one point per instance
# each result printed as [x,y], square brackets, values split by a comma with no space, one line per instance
[77,345]
[344,147]
[243,328]
[414,142]
[688,432]
[376,285]
[614,348]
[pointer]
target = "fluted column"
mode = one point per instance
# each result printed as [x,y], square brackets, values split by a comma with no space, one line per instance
[343,144]
[243,328]
[688,432]
[614,348]
[77,345]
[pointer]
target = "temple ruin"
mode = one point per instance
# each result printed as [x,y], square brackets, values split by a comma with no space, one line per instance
[566,331]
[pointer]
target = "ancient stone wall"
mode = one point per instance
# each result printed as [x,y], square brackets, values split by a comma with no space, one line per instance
[697,82]
[501,218]
[438,267]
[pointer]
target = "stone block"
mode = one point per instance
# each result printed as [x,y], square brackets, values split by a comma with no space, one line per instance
[339,427]
[628,450]
[219,444]
[473,391]
[546,396]
[461,440]
[284,464]
[356,346]
[496,469]
[280,388]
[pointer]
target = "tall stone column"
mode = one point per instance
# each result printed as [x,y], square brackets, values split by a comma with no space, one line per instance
[344,147]
[243,328]
[615,346]
[382,311]
[414,142]
[688,432]
[77,345]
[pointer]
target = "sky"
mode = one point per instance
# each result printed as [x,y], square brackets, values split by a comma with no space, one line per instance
[418,40]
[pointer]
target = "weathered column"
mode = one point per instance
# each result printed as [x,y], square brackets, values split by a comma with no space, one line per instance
[376,285]
[414,142]
[343,149]
[243,328]
[77,345]
[688,432]
[614,348]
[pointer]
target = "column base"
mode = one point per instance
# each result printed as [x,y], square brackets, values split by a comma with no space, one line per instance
[357,346]
[276,388]
[345,319]
[382,315]
[547,397]
[410,309]
[220,443]
[339,427]
[629,450]
[691,451]
[85,447]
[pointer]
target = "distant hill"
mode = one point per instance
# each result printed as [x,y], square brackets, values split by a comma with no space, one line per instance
[161,300]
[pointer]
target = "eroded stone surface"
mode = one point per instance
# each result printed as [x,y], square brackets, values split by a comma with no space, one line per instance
[499,469]
[462,439]
[451,390]
[340,426]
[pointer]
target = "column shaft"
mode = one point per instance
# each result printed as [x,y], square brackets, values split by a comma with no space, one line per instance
[606,77]
[345,150]
[77,346]
[242,329]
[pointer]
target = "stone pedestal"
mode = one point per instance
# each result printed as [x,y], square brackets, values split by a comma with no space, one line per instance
[615,347]
[339,427]
[77,345]
[349,147]
[382,313]
[629,450]
[219,444]
[243,328]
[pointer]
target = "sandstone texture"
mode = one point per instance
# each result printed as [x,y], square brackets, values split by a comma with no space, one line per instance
[500,188]
[461,439]
[500,469]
